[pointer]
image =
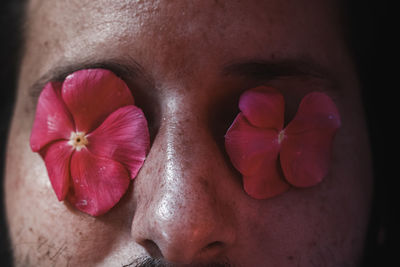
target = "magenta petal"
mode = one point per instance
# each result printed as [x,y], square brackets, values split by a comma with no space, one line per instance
[93,94]
[248,147]
[123,137]
[57,158]
[267,182]
[52,119]
[263,107]
[97,183]
[254,153]
[306,148]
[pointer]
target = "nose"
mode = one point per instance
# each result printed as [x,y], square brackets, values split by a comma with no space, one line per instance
[184,195]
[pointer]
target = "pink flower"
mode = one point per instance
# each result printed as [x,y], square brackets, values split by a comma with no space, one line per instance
[271,158]
[92,138]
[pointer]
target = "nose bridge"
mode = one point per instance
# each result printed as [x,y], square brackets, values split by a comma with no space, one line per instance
[188,190]
[185,214]
[188,148]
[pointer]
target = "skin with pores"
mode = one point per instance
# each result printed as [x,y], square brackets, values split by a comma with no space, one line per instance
[187,205]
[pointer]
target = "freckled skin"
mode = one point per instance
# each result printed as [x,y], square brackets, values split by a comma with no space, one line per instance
[187,204]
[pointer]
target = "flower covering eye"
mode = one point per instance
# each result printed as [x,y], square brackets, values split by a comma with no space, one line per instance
[92,138]
[272,158]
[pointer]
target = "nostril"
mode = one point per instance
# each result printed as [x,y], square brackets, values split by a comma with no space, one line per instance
[152,248]
[213,249]
[214,245]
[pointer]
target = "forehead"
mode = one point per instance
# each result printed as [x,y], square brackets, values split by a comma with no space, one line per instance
[181,35]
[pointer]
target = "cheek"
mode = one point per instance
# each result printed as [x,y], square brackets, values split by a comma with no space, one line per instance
[315,226]
[42,229]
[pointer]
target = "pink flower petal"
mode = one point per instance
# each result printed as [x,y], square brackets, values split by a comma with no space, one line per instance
[52,119]
[306,149]
[97,183]
[92,94]
[263,107]
[254,153]
[247,146]
[123,137]
[57,158]
[267,182]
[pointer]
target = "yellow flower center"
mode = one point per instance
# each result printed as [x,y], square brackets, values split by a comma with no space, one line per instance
[78,140]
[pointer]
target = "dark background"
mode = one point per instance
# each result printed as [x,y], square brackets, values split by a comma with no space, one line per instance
[370,32]
[9,47]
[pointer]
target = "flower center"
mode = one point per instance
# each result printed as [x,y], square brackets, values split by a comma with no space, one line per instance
[281,136]
[78,140]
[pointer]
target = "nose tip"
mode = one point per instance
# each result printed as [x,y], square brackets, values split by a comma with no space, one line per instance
[181,232]
[191,241]
[186,248]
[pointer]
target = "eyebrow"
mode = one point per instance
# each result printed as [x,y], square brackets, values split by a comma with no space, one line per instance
[128,69]
[265,70]
[254,69]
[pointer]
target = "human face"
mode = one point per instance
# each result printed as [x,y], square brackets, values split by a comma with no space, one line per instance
[186,63]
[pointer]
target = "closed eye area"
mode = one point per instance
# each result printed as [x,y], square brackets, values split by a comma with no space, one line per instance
[294,77]
[128,70]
